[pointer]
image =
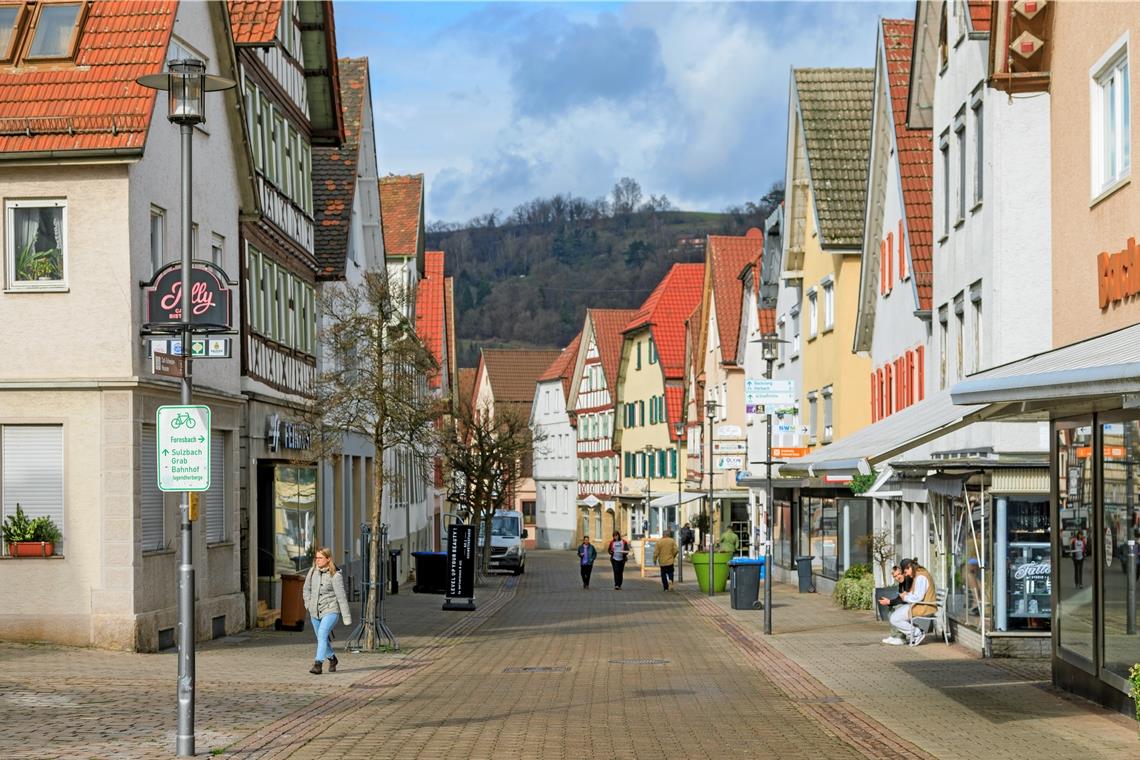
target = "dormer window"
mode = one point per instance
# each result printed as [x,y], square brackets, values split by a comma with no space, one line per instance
[11,16]
[41,31]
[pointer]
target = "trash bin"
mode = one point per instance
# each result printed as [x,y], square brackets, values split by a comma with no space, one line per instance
[746,574]
[292,603]
[393,569]
[803,567]
[431,572]
[700,562]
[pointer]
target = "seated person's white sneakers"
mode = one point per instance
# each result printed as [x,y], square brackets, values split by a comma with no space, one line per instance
[893,641]
[917,638]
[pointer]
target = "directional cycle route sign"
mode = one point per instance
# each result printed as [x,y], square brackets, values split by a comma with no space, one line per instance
[184,448]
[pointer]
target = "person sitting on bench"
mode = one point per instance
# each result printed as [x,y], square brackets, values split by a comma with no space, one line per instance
[895,638]
[918,602]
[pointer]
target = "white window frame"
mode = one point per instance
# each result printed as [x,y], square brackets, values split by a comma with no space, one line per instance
[782,345]
[796,330]
[157,252]
[960,143]
[944,149]
[10,244]
[828,287]
[218,249]
[813,416]
[828,414]
[1105,72]
[813,313]
[977,106]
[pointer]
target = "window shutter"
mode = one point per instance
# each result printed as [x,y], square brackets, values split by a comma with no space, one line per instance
[920,360]
[882,267]
[216,496]
[33,472]
[152,504]
[874,399]
[889,387]
[882,393]
[890,263]
[904,272]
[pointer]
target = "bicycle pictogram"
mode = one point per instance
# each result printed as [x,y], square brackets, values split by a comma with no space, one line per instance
[183,418]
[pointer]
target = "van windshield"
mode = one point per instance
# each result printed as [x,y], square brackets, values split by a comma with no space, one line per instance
[505,526]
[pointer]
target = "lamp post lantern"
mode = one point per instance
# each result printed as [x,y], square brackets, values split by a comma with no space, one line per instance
[679,429]
[710,412]
[186,83]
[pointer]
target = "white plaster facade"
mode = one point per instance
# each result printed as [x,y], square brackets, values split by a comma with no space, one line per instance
[75,359]
[555,467]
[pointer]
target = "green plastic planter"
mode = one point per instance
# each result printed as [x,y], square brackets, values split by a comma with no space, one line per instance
[700,562]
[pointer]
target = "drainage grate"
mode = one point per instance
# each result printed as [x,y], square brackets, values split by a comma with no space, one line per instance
[639,662]
[538,669]
[830,700]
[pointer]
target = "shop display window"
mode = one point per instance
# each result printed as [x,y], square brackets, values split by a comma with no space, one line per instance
[1120,444]
[1075,502]
[294,516]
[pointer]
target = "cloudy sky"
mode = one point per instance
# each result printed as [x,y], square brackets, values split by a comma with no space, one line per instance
[498,103]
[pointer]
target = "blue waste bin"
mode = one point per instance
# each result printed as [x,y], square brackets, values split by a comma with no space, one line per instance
[746,575]
[431,572]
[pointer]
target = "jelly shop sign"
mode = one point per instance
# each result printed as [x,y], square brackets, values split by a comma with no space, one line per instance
[209,296]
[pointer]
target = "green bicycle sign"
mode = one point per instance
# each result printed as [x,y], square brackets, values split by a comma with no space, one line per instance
[183,448]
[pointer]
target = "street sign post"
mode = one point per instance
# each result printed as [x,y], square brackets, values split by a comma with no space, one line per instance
[168,364]
[183,447]
[772,394]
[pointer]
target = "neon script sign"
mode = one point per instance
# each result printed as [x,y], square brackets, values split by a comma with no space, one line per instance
[209,296]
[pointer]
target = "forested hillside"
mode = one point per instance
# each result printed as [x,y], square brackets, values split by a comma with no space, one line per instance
[527,280]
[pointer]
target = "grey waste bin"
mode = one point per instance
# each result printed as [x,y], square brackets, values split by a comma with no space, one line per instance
[745,574]
[803,567]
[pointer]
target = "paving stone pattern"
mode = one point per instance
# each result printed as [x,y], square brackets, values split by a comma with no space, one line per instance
[545,669]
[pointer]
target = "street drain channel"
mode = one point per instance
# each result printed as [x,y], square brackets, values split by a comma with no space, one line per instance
[538,669]
[639,662]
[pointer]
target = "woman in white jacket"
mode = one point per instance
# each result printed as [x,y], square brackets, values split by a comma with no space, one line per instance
[326,602]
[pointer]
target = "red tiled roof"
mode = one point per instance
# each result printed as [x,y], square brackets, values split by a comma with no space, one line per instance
[665,310]
[430,313]
[334,174]
[767,321]
[980,12]
[514,372]
[696,358]
[254,22]
[401,209]
[674,396]
[449,321]
[608,327]
[95,104]
[726,257]
[915,159]
[561,367]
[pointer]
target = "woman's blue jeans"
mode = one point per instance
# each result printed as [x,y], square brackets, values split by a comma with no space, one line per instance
[323,627]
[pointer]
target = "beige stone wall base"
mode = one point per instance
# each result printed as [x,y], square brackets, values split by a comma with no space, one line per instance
[148,624]
[70,630]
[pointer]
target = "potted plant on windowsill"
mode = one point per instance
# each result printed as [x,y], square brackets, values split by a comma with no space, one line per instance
[34,537]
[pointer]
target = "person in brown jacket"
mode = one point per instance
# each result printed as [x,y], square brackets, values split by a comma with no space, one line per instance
[666,554]
[917,602]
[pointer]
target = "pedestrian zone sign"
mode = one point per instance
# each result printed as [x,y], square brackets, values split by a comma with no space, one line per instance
[184,448]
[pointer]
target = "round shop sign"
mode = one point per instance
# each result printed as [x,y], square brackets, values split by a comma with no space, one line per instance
[1108,547]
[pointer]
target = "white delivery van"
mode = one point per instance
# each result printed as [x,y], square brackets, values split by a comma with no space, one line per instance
[507,534]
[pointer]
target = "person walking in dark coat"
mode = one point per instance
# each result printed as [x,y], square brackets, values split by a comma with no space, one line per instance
[619,553]
[586,556]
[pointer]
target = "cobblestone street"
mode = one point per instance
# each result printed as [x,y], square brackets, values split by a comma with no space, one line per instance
[545,669]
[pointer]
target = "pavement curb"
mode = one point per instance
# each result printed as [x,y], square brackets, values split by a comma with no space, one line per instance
[810,696]
[285,735]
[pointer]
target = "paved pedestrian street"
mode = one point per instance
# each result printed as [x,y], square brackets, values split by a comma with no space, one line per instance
[545,669]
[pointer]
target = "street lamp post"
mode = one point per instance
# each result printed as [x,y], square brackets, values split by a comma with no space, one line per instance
[186,83]
[647,451]
[710,412]
[770,349]
[679,429]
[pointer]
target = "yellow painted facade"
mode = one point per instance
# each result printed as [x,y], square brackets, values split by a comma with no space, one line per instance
[641,383]
[829,365]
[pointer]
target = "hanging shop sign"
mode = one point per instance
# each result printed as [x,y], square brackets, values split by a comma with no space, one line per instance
[729,462]
[202,348]
[210,296]
[771,394]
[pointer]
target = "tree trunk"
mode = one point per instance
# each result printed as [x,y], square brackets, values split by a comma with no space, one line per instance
[370,609]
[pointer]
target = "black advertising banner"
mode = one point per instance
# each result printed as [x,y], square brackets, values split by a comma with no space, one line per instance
[461,562]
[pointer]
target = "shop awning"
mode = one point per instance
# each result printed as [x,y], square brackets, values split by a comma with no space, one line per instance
[925,421]
[1104,366]
[670,500]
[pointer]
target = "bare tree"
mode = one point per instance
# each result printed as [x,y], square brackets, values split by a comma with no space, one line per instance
[374,383]
[485,458]
[627,196]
